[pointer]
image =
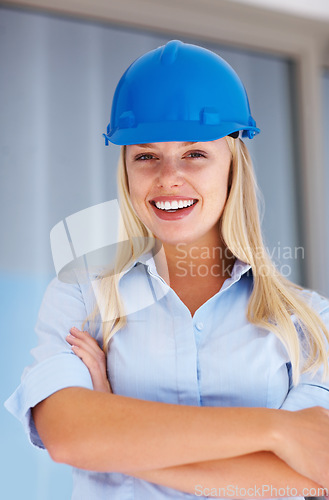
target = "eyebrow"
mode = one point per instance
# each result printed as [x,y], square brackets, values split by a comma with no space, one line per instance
[150,145]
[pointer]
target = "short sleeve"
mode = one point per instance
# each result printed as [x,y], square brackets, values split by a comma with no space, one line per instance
[312,390]
[56,366]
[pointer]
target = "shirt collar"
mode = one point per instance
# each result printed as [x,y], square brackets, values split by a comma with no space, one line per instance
[239,267]
[146,259]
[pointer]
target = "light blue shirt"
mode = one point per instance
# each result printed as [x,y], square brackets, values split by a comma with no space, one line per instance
[215,358]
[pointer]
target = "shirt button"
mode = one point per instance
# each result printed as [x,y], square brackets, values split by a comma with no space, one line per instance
[199,326]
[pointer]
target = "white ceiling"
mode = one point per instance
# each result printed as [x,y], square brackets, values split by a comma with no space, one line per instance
[317,9]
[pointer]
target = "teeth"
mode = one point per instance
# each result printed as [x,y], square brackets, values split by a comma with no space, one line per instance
[173,205]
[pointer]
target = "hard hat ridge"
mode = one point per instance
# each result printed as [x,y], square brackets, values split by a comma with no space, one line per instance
[179,92]
[169,51]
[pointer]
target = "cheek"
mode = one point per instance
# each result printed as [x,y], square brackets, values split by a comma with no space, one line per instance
[217,187]
[218,193]
[133,186]
[137,193]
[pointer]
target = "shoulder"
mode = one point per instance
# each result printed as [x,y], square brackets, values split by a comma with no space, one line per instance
[316,301]
[75,294]
[320,306]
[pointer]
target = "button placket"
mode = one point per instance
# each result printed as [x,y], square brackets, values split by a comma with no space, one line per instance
[199,326]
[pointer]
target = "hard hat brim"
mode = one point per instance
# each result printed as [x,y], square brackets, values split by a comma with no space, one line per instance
[184,131]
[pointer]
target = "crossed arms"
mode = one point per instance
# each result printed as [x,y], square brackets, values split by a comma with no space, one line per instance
[181,446]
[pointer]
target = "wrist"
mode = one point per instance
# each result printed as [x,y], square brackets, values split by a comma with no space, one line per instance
[275,425]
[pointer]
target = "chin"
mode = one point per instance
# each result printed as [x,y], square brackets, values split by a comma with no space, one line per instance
[177,239]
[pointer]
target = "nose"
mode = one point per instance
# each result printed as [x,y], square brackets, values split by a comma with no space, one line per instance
[169,173]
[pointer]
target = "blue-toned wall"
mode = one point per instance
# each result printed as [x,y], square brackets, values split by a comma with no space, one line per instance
[57,79]
[26,471]
[325,87]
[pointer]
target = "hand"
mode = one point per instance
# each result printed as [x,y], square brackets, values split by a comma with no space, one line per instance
[87,349]
[302,441]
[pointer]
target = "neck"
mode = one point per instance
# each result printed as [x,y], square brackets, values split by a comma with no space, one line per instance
[202,261]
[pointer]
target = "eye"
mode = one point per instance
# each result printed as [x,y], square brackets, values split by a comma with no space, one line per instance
[144,157]
[196,154]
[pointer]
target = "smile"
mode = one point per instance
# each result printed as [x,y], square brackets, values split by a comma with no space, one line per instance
[174,205]
[173,210]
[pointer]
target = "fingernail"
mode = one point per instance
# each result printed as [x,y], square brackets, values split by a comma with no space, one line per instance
[74,329]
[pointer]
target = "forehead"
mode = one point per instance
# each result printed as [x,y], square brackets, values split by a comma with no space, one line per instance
[161,145]
[217,146]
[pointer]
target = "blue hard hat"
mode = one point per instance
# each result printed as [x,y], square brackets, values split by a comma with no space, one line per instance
[179,92]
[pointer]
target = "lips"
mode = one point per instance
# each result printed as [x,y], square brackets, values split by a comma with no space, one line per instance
[173,207]
[171,198]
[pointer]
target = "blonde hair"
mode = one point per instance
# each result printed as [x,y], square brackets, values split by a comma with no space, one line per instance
[274,298]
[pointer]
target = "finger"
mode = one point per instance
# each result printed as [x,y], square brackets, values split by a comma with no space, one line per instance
[94,364]
[94,350]
[83,341]
[82,334]
[85,337]
[96,369]
[96,356]
[86,347]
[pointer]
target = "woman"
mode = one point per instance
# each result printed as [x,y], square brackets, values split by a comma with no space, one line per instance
[209,350]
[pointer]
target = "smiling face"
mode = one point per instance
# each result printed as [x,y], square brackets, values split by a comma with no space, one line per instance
[179,190]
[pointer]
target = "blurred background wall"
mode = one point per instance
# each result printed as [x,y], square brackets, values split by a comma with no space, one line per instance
[59,67]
